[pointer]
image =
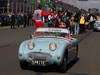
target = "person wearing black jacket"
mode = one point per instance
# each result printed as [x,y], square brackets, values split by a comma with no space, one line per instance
[25,20]
[13,21]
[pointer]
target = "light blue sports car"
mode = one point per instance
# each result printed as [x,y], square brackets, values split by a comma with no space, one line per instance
[48,46]
[96,26]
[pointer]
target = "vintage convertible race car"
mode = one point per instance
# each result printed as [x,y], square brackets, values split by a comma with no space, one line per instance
[96,26]
[48,46]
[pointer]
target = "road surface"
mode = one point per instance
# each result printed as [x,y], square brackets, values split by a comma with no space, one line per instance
[88,63]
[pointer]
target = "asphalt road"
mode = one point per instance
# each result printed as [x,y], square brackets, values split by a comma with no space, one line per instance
[88,63]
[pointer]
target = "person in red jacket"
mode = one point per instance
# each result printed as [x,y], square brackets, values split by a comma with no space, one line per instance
[38,17]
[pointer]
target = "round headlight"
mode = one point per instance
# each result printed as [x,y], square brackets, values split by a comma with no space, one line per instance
[31,45]
[52,46]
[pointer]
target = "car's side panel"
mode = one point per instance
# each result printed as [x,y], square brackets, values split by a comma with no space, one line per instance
[72,50]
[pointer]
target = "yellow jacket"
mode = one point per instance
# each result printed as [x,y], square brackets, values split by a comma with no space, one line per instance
[82,20]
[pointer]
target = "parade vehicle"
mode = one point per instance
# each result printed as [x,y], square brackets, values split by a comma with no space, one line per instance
[48,46]
[96,26]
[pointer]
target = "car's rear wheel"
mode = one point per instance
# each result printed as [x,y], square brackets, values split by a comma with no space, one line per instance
[23,65]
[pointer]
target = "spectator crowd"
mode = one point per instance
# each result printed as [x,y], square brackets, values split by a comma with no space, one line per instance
[76,21]
[15,19]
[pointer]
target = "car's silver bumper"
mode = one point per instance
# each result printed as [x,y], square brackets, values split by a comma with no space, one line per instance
[97,28]
[39,59]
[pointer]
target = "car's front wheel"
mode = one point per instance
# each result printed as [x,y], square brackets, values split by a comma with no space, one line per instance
[63,66]
[77,49]
[23,65]
[94,30]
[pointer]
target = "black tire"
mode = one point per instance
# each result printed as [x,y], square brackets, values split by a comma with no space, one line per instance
[23,65]
[63,66]
[94,30]
[77,49]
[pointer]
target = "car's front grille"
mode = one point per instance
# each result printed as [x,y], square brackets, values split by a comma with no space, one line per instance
[39,58]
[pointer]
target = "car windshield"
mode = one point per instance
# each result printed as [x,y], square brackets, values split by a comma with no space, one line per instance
[50,34]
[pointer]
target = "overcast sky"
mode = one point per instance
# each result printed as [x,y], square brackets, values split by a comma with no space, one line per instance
[85,4]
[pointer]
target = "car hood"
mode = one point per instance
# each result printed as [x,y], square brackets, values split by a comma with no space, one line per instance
[43,41]
[42,44]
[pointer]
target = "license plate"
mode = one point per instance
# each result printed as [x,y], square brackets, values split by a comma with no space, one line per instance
[42,63]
